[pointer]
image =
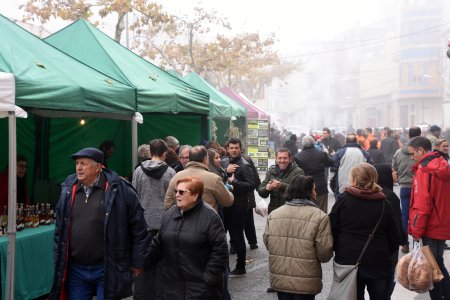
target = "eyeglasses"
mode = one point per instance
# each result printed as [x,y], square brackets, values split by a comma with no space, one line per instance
[181,192]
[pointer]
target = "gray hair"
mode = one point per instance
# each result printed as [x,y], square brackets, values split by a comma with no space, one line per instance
[184,147]
[143,152]
[308,140]
[172,141]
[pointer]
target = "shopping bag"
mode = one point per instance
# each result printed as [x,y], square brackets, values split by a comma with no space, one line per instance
[262,208]
[419,272]
[401,270]
[436,271]
[344,282]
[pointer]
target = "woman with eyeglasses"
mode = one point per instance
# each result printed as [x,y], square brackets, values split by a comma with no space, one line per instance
[192,245]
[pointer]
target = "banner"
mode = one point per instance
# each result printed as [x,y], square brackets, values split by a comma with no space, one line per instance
[258,142]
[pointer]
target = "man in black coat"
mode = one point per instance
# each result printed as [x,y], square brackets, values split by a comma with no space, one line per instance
[314,163]
[388,146]
[330,142]
[242,178]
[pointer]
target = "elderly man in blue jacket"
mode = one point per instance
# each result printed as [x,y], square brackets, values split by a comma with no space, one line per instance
[100,239]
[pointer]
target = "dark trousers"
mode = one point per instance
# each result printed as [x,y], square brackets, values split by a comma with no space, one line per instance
[322,202]
[249,228]
[377,286]
[149,285]
[235,220]
[441,289]
[394,260]
[289,296]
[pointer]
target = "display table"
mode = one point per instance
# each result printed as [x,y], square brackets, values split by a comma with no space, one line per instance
[34,262]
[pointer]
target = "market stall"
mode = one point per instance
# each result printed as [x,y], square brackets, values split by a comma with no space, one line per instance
[47,81]
[169,105]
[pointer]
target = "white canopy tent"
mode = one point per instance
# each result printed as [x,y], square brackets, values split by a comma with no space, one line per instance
[10,110]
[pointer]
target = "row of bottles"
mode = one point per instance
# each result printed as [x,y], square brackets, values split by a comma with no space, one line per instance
[31,216]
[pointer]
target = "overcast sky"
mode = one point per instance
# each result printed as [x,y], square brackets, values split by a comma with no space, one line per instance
[294,22]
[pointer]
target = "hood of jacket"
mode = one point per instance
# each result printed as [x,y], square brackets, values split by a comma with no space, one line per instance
[434,163]
[365,194]
[354,145]
[404,149]
[154,169]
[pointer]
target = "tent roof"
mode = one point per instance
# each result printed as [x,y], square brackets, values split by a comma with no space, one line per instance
[266,114]
[253,112]
[46,78]
[8,95]
[157,91]
[222,106]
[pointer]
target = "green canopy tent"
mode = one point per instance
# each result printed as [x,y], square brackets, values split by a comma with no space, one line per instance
[48,82]
[169,105]
[223,109]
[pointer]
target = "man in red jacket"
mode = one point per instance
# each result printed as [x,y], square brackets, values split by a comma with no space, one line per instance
[429,217]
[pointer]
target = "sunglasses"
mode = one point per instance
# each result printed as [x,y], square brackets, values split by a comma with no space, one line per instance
[181,192]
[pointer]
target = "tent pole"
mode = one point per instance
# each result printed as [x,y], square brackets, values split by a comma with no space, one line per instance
[134,144]
[12,192]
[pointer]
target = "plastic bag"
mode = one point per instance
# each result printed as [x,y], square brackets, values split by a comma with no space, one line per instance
[401,270]
[262,208]
[420,275]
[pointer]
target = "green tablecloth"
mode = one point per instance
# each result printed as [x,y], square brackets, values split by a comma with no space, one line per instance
[34,262]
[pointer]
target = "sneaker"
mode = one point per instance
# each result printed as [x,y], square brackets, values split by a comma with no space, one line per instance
[270,290]
[253,246]
[237,273]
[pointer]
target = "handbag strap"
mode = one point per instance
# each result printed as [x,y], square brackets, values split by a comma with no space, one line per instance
[371,236]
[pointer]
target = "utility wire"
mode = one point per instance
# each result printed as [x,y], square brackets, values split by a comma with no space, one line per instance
[426,30]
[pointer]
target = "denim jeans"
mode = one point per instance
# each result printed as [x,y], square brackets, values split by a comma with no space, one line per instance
[84,282]
[289,296]
[441,289]
[405,195]
[226,293]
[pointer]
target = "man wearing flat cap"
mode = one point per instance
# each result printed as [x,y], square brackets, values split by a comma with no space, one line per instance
[100,239]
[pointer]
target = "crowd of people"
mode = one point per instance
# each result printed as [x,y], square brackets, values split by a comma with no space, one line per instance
[164,234]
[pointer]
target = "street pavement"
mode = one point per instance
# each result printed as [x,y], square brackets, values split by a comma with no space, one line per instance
[254,285]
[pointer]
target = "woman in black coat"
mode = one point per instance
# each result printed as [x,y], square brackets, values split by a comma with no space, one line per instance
[353,217]
[386,182]
[192,245]
[375,153]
